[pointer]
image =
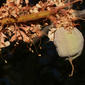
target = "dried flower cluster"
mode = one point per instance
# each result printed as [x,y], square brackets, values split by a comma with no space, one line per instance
[23,23]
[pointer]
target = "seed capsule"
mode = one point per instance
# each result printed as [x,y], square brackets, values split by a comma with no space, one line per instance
[69,44]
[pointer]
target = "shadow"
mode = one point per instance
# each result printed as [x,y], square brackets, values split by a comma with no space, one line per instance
[4,81]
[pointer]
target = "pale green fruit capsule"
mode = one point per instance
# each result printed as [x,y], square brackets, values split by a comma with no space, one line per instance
[69,44]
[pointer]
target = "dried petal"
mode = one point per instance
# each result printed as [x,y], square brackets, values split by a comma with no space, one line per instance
[25,37]
[14,37]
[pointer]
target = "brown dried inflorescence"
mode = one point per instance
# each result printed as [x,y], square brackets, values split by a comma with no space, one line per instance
[23,23]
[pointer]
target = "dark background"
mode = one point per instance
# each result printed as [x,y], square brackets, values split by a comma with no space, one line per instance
[27,68]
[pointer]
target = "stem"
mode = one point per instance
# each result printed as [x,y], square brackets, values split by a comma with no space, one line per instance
[34,16]
[70,60]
